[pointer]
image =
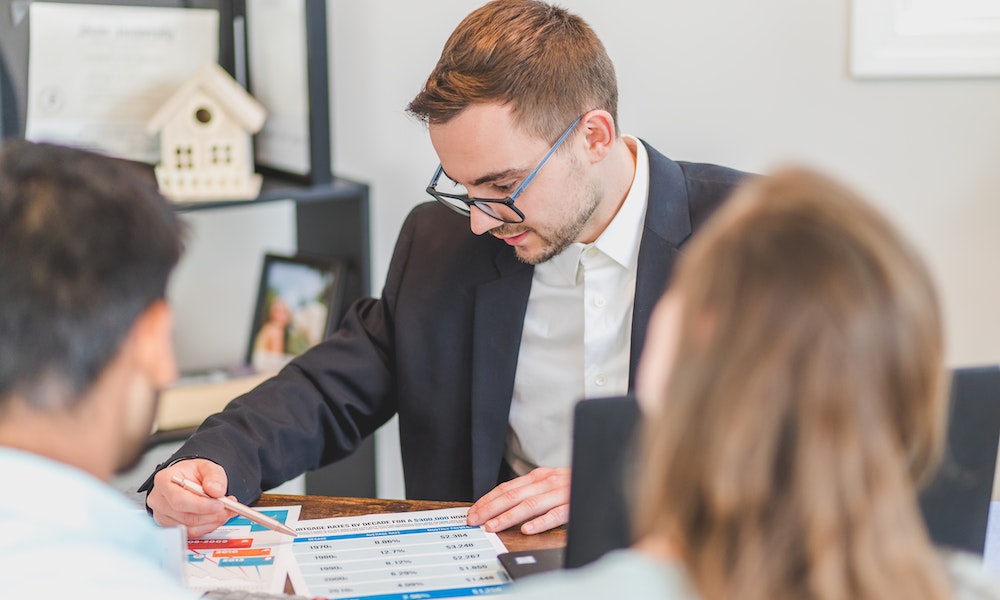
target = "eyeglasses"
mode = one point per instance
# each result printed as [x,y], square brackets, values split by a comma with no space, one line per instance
[502,209]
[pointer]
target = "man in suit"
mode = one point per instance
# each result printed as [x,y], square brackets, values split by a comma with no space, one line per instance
[482,343]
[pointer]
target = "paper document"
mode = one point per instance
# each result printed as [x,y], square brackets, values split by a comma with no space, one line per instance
[397,556]
[97,73]
[242,555]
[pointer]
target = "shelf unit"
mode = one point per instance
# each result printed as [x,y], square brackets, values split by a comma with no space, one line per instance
[331,212]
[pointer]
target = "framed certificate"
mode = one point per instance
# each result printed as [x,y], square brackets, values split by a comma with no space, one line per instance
[98,73]
[287,72]
[97,64]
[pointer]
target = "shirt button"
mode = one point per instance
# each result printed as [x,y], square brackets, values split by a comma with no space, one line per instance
[599,302]
[601,379]
[591,252]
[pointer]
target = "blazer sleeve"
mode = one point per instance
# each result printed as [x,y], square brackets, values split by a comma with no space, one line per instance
[318,408]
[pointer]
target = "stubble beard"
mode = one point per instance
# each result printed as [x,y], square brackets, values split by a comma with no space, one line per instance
[555,241]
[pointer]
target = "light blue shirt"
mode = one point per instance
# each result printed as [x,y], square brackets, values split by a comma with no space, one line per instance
[66,534]
[618,574]
[633,575]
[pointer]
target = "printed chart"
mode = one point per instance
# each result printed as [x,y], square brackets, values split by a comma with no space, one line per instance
[398,556]
[242,555]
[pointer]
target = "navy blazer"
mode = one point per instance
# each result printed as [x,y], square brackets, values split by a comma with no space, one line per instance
[439,348]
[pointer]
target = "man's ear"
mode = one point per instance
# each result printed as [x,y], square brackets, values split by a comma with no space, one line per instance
[599,133]
[153,332]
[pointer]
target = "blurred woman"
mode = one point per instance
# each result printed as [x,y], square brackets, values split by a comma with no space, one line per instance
[794,391]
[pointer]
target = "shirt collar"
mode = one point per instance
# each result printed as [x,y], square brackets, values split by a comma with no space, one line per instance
[620,239]
[561,269]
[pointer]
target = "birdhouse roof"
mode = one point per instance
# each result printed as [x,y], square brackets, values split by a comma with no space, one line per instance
[217,83]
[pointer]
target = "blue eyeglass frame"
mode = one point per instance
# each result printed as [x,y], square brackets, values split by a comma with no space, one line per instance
[483,204]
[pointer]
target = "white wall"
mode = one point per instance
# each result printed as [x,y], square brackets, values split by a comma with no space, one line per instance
[744,84]
[214,289]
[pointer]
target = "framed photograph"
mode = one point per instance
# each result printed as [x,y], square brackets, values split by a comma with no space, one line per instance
[925,38]
[299,303]
[287,72]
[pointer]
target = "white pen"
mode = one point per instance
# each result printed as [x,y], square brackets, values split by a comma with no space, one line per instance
[241,509]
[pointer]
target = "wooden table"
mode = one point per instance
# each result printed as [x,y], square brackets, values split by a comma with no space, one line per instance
[322,507]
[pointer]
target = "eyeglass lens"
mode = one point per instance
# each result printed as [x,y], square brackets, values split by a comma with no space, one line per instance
[447,188]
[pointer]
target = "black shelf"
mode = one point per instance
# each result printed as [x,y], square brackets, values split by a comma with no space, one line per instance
[277,188]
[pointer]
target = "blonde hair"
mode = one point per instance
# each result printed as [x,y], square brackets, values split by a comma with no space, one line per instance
[806,399]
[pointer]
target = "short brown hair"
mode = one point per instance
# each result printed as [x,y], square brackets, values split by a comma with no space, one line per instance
[87,243]
[543,61]
[806,399]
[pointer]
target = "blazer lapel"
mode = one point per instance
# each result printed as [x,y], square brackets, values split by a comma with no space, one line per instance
[499,318]
[668,224]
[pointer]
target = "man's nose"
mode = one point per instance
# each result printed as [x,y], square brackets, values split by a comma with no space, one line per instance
[481,222]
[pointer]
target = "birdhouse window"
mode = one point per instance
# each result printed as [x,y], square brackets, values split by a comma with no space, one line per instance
[203,115]
[184,155]
[220,154]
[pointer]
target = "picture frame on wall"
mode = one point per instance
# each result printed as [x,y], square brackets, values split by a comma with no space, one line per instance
[300,301]
[891,39]
[288,73]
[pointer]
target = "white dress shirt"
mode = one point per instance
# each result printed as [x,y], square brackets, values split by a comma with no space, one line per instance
[577,332]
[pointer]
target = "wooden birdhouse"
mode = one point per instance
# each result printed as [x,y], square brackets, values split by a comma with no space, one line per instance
[205,146]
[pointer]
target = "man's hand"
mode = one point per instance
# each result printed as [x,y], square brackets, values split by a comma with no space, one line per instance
[541,496]
[173,505]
